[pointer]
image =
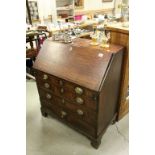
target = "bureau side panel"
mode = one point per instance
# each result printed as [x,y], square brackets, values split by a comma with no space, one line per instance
[108,98]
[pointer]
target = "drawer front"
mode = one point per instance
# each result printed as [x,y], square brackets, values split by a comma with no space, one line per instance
[66,116]
[80,111]
[67,90]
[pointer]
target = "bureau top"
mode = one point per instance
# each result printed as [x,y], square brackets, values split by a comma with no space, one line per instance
[78,62]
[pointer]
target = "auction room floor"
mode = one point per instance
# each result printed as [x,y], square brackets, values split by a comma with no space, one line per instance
[47,136]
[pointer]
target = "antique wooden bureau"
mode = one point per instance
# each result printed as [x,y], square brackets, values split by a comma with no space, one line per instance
[79,85]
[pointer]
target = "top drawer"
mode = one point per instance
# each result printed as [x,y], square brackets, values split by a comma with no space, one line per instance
[67,90]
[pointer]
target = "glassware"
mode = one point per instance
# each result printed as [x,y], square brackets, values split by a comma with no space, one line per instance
[100,35]
[125,15]
[105,40]
[94,39]
[56,37]
[67,38]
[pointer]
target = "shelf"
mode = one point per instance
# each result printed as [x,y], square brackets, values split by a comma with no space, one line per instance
[66,17]
[64,8]
[70,17]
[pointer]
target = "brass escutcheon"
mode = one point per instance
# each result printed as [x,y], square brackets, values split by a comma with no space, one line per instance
[79,100]
[45,77]
[79,90]
[80,112]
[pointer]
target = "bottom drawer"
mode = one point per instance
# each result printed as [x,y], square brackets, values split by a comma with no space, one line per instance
[67,117]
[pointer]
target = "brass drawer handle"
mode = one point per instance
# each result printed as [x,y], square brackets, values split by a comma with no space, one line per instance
[61,83]
[63,114]
[80,112]
[62,90]
[79,100]
[48,96]
[79,90]
[46,85]
[45,77]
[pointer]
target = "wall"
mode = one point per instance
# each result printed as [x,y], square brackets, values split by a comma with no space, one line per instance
[97,4]
[117,10]
[47,7]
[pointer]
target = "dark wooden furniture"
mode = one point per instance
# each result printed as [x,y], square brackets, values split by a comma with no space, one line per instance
[120,36]
[32,42]
[44,30]
[79,85]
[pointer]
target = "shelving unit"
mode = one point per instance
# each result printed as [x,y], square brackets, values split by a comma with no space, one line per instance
[65,9]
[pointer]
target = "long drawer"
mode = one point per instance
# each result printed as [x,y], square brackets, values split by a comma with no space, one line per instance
[67,90]
[65,115]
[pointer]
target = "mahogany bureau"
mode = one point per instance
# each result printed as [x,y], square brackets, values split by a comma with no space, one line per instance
[79,85]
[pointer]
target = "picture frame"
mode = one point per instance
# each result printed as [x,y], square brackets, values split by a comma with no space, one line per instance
[107,0]
[79,4]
